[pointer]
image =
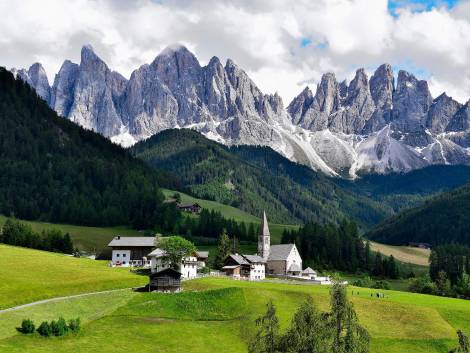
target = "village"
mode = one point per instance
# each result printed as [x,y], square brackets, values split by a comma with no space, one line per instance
[281,261]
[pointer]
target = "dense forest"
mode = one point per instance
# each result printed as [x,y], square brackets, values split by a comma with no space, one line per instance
[52,169]
[441,220]
[257,178]
[449,272]
[330,247]
[254,179]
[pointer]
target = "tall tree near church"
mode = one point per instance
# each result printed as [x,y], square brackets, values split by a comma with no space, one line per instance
[349,336]
[224,248]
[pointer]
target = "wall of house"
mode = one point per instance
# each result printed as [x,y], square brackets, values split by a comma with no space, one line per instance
[121,257]
[294,258]
[276,267]
[188,267]
[257,272]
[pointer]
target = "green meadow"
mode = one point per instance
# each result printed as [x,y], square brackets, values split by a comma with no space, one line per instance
[29,275]
[216,314]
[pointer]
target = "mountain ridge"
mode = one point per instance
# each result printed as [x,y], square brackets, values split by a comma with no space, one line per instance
[343,129]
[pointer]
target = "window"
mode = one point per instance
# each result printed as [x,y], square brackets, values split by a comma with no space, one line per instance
[124,262]
[123,255]
[117,255]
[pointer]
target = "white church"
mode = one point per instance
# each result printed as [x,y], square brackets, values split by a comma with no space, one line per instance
[282,259]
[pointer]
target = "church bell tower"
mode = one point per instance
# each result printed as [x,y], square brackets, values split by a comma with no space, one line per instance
[264,238]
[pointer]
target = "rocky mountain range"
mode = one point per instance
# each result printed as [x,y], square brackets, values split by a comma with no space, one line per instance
[368,125]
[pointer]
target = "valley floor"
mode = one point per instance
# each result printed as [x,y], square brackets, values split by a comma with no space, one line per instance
[215,314]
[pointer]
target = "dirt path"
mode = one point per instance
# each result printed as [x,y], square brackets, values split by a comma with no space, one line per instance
[13,308]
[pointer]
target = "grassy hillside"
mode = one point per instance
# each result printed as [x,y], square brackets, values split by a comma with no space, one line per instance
[84,238]
[405,254]
[231,212]
[220,316]
[254,179]
[29,275]
[441,220]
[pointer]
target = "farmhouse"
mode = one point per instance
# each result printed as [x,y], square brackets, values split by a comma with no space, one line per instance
[188,266]
[282,259]
[131,251]
[250,267]
[165,280]
[189,207]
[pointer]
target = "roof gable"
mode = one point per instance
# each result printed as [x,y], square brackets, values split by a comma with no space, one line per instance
[132,241]
[280,252]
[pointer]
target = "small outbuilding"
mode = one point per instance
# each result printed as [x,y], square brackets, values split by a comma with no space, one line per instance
[167,280]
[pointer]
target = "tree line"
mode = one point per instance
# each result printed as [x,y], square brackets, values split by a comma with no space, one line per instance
[330,247]
[312,331]
[21,234]
[449,272]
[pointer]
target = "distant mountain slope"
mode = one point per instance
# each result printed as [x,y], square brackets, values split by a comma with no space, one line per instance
[443,219]
[348,129]
[255,179]
[51,169]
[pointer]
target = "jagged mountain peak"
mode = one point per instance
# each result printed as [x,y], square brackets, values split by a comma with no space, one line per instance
[344,128]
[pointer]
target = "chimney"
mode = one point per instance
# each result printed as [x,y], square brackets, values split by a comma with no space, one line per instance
[118,237]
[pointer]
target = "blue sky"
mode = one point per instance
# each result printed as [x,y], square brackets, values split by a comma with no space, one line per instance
[419,5]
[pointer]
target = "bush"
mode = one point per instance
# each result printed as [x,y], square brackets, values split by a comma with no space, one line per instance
[45,329]
[27,326]
[74,325]
[381,285]
[59,327]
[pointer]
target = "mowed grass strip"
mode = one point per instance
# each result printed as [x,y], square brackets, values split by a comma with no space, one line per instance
[30,275]
[406,254]
[87,308]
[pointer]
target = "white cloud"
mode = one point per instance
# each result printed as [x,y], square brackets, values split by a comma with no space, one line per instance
[262,36]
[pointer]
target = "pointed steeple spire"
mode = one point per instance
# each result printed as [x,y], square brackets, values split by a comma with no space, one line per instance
[264,238]
[264,229]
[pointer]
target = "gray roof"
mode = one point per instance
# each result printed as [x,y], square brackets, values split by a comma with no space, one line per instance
[157,253]
[294,268]
[254,259]
[202,253]
[280,252]
[239,259]
[309,271]
[133,241]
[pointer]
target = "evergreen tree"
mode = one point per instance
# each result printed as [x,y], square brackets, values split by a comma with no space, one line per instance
[349,336]
[267,336]
[308,332]
[224,248]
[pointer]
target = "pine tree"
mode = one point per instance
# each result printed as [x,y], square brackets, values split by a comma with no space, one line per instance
[224,248]
[267,337]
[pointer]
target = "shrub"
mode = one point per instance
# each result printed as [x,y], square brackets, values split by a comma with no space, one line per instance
[45,329]
[381,285]
[59,327]
[27,326]
[74,325]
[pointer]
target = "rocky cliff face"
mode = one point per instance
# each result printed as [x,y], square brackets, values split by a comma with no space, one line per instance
[343,129]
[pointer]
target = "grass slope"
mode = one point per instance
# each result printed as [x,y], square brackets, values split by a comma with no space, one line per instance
[231,212]
[216,314]
[84,238]
[405,254]
[29,275]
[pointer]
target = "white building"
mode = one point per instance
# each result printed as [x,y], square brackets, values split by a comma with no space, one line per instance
[251,267]
[131,251]
[282,259]
[188,266]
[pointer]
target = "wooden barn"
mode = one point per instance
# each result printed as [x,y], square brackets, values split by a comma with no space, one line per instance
[167,280]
